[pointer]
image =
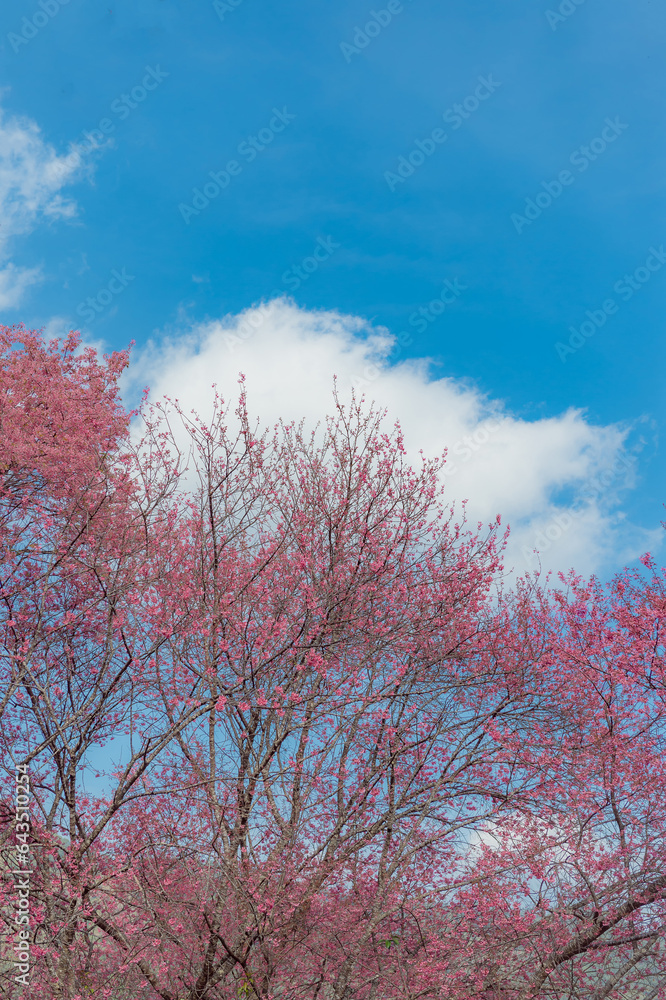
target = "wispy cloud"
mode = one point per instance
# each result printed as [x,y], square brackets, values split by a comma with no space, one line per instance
[32,176]
[13,283]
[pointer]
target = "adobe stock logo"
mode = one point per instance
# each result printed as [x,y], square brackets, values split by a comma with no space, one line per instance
[420,319]
[581,158]
[626,287]
[563,12]
[425,315]
[295,275]
[379,19]
[592,491]
[222,7]
[293,278]
[453,116]
[123,105]
[33,25]
[467,446]
[221,179]
[91,307]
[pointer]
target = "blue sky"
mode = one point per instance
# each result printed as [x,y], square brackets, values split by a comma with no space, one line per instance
[335,110]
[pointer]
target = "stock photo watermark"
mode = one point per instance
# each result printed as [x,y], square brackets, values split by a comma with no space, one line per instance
[377,21]
[563,12]
[420,319]
[91,307]
[626,287]
[295,275]
[581,158]
[21,874]
[372,371]
[467,446]
[122,106]
[222,7]
[31,26]
[292,279]
[562,522]
[455,116]
[249,149]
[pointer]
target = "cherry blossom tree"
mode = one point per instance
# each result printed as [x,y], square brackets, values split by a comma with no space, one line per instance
[84,533]
[290,734]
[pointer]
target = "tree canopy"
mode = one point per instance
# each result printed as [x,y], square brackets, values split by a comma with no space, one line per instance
[288,731]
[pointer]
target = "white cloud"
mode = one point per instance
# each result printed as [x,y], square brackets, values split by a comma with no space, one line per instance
[31,178]
[501,463]
[13,283]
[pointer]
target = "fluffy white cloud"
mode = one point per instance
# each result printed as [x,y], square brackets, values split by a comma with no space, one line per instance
[500,463]
[32,176]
